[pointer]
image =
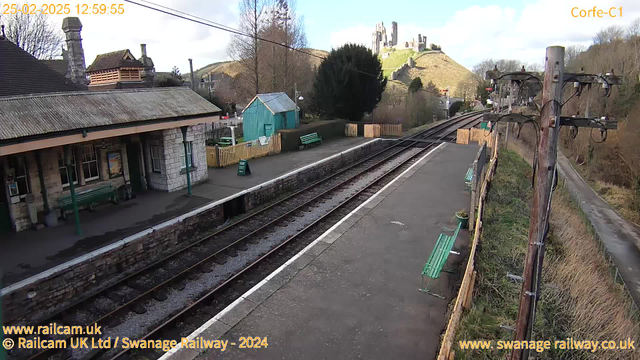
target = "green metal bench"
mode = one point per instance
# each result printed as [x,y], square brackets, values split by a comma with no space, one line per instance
[468,177]
[437,259]
[87,198]
[310,139]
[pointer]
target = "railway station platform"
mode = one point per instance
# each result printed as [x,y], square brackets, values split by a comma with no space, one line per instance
[29,252]
[353,292]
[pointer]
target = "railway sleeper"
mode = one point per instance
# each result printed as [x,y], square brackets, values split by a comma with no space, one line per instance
[138,308]
[160,295]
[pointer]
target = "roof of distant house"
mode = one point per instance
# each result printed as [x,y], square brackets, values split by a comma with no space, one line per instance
[31,115]
[21,73]
[275,102]
[114,60]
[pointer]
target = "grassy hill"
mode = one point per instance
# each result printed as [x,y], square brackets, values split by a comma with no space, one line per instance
[433,66]
[233,68]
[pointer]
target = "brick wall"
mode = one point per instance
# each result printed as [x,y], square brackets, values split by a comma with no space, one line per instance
[71,282]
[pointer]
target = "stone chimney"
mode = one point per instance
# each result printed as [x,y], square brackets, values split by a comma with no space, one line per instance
[77,68]
[149,71]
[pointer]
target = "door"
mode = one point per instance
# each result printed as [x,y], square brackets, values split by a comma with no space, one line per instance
[133,159]
[5,217]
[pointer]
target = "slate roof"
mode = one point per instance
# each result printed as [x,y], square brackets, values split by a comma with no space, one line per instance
[275,102]
[113,60]
[24,116]
[60,66]
[21,73]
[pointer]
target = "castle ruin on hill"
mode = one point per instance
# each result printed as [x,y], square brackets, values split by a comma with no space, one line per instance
[381,41]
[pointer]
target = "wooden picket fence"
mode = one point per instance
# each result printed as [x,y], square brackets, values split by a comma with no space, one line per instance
[465,294]
[351,130]
[229,155]
[377,130]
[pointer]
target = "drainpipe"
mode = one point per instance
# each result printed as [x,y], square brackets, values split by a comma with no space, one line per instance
[43,188]
[186,157]
[67,157]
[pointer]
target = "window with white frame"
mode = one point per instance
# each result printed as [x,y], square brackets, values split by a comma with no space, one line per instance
[21,179]
[64,177]
[189,155]
[89,158]
[156,158]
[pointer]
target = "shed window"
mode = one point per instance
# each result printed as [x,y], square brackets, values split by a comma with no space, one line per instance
[189,155]
[157,157]
[64,178]
[21,177]
[89,162]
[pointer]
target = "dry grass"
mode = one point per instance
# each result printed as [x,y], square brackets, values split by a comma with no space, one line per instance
[598,308]
[580,298]
[619,197]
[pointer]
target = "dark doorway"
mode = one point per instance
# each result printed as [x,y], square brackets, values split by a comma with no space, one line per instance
[5,218]
[133,159]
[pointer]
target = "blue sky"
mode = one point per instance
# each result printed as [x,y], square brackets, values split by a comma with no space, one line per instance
[467,31]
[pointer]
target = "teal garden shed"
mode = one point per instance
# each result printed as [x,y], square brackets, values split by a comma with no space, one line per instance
[266,114]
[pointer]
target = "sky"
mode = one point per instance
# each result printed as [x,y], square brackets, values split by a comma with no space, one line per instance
[467,31]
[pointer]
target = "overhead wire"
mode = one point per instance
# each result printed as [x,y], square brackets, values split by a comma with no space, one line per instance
[202,21]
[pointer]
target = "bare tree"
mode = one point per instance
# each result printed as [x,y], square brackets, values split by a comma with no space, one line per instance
[610,34]
[504,65]
[33,33]
[283,63]
[633,29]
[245,49]
[571,54]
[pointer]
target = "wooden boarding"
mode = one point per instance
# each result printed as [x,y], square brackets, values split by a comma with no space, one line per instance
[225,156]
[462,136]
[391,130]
[372,130]
[351,130]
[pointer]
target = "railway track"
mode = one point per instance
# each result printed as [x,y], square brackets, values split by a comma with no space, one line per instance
[173,296]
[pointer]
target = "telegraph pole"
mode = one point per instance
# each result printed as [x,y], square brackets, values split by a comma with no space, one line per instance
[547,154]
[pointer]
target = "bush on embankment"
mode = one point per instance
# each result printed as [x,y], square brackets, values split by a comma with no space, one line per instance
[579,297]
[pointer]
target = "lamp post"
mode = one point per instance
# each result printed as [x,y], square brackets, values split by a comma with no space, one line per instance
[297,97]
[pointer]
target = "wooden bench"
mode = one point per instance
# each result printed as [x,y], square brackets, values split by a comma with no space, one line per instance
[310,139]
[468,177]
[437,259]
[87,198]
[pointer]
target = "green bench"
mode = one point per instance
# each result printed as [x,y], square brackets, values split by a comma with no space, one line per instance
[310,139]
[437,259]
[468,177]
[226,141]
[87,198]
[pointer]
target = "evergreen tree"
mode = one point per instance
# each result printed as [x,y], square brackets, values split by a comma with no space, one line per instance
[349,83]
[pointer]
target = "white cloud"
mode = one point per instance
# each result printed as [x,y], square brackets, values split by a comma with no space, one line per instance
[481,32]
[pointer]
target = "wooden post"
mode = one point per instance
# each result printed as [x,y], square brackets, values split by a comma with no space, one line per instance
[547,153]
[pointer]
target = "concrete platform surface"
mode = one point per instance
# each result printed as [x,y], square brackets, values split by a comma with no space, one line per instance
[30,252]
[353,293]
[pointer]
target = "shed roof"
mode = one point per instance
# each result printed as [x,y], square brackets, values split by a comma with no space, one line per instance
[275,102]
[114,60]
[21,73]
[31,115]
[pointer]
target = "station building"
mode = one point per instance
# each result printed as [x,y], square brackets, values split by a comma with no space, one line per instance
[131,138]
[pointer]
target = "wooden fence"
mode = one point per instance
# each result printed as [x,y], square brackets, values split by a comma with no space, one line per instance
[351,130]
[224,156]
[464,298]
[462,136]
[377,130]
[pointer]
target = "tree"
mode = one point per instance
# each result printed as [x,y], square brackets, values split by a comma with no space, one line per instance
[349,83]
[504,66]
[172,79]
[571,54]
[175,72]
[608,35]
[416,84]
[33,33]
[245,49]
[282,66]
[633,29]
[432,88]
